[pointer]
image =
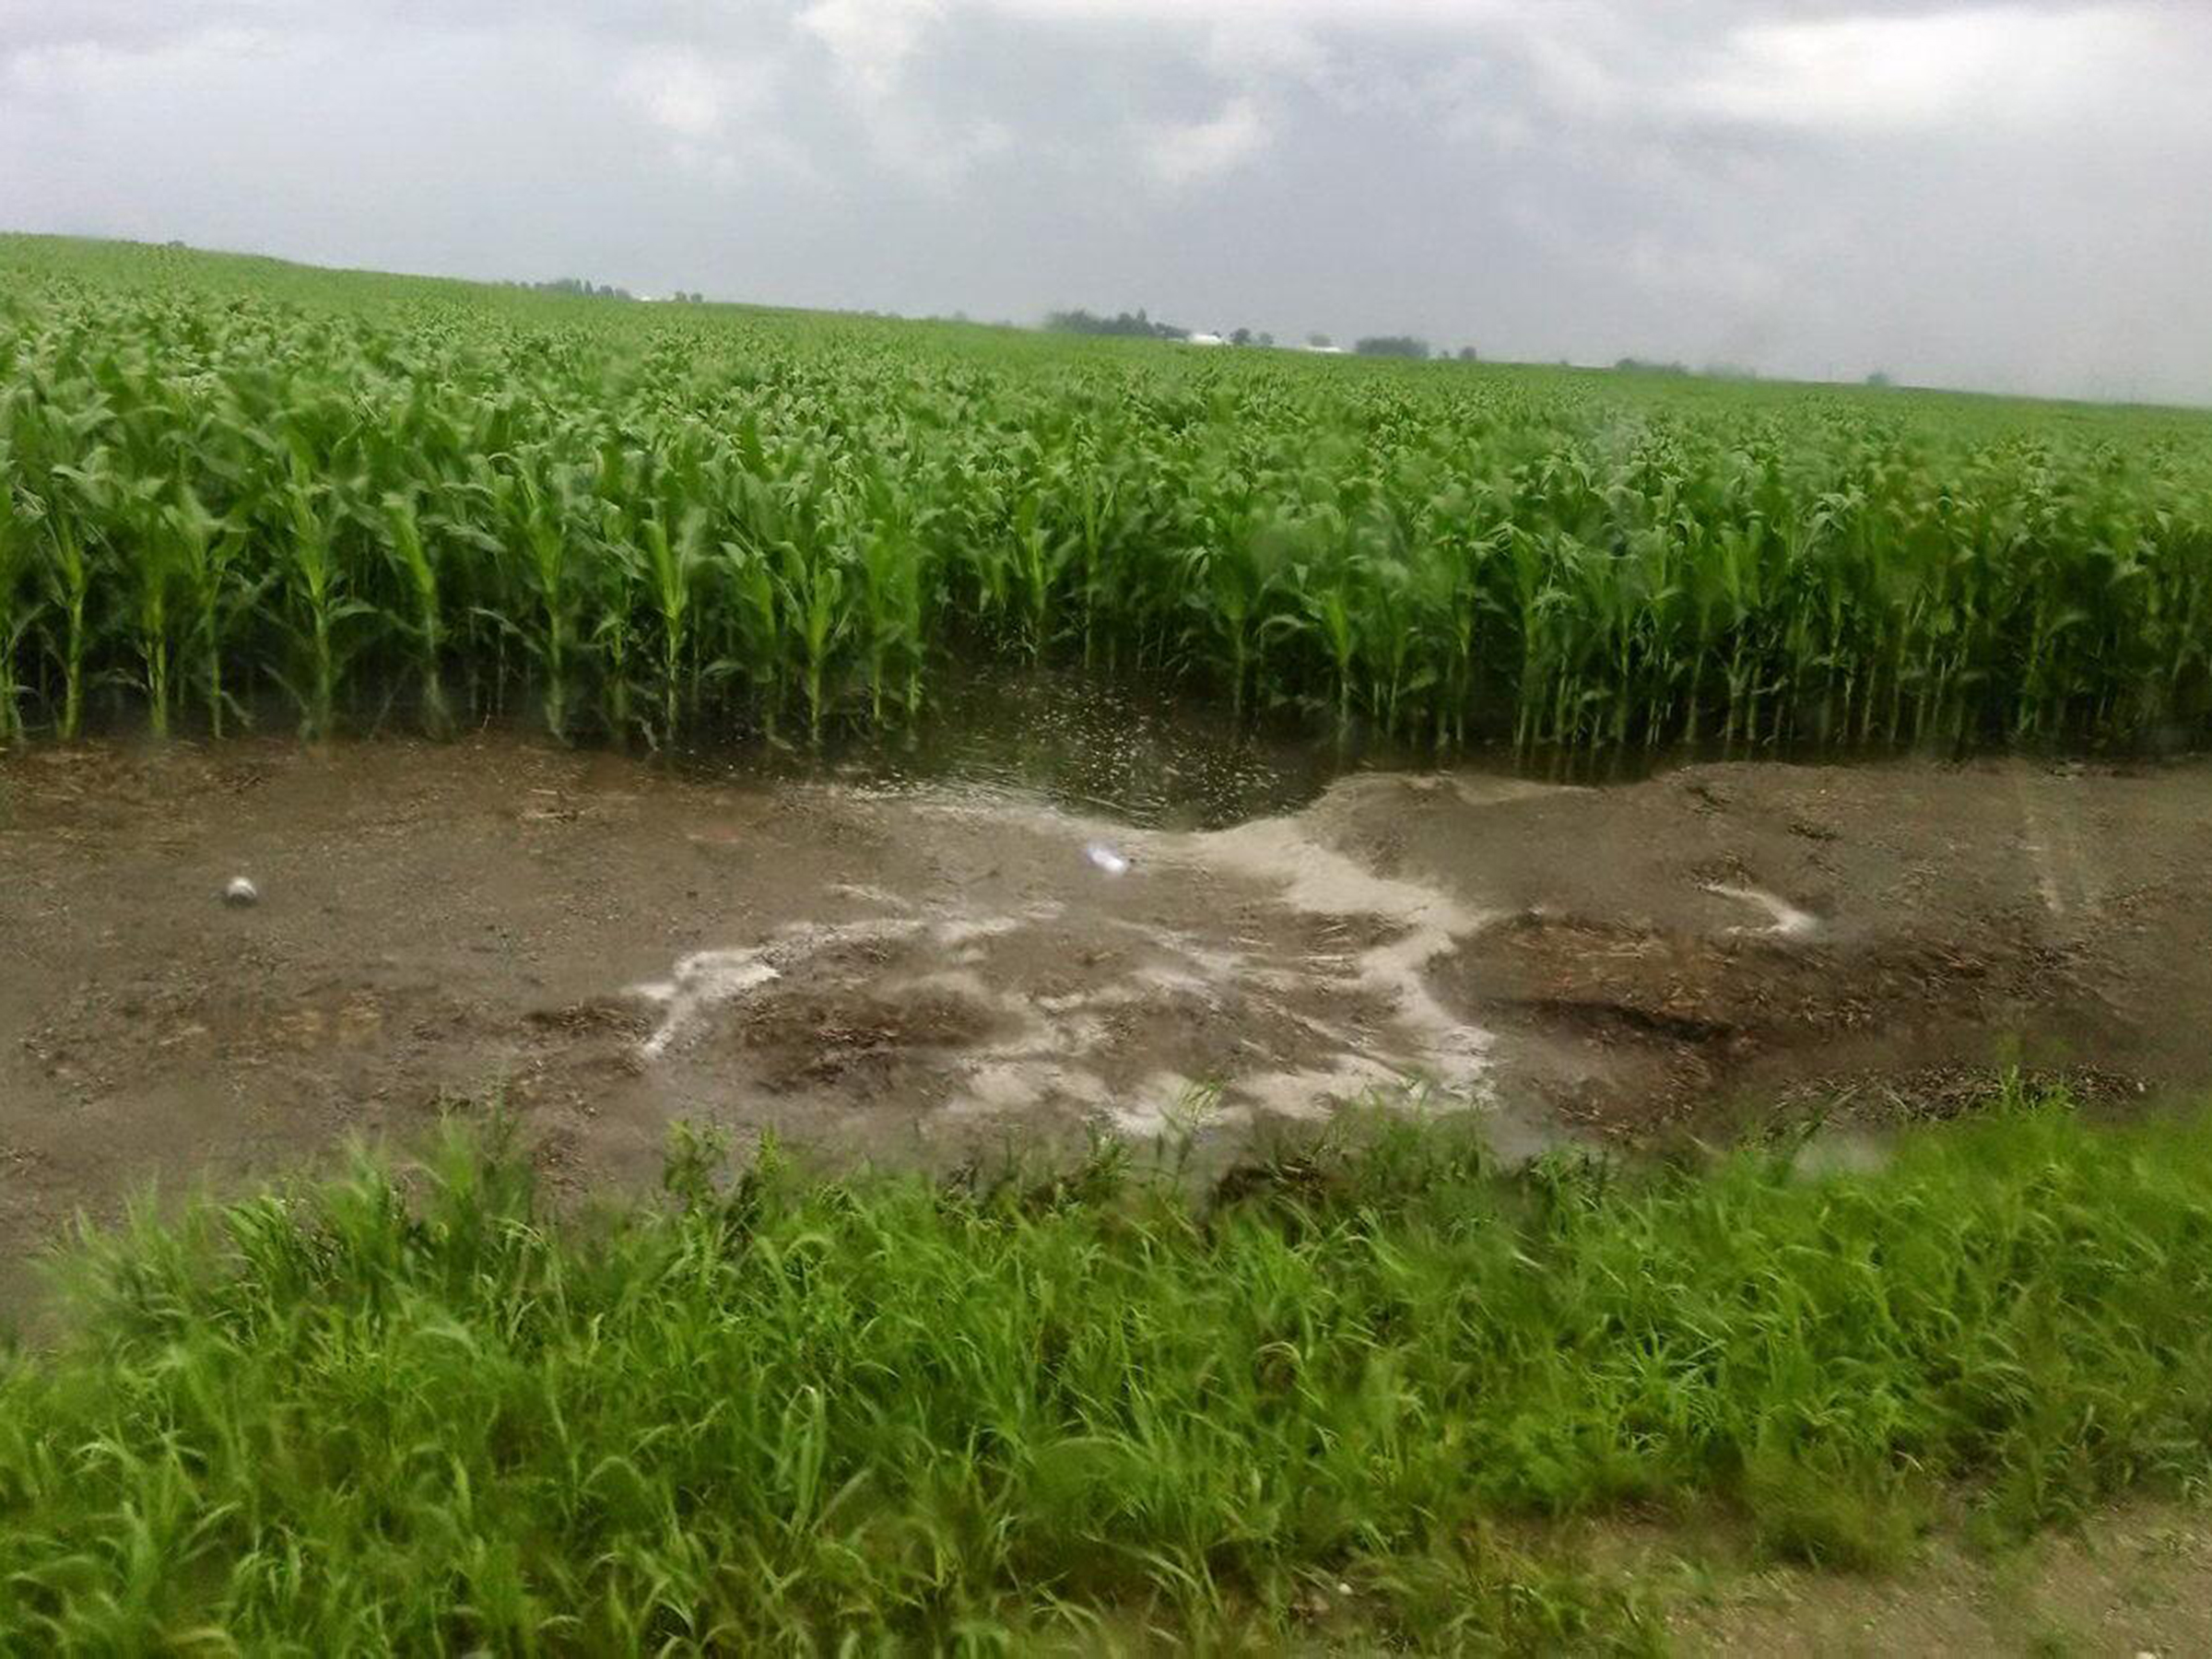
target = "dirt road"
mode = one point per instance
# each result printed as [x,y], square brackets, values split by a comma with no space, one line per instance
[931,973]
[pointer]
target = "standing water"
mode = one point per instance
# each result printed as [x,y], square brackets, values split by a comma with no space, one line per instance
[1094,747]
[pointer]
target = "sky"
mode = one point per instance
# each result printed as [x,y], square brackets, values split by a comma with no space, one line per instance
[2015,195]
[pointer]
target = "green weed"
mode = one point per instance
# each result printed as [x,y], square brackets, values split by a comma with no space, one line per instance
[415,1409]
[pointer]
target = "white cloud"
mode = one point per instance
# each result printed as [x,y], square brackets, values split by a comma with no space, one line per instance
[1360,12]
[89,69]
[717,113]
[871,39]
[1987,189]
[1263,46]
[1571,74]
[1701,272]
[2014,63]
[873,44]
[676,90]
[1180,153]
[935,153]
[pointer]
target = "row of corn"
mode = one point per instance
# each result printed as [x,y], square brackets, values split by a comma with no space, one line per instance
[228,488]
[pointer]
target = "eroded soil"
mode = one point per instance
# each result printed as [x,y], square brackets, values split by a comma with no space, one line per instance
[932,974]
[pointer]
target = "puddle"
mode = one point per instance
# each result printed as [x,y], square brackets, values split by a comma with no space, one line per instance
[910,969]
[1089,745]
[1785,920]
[1071,1008]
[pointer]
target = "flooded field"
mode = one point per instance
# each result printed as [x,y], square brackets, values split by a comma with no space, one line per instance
[934,969]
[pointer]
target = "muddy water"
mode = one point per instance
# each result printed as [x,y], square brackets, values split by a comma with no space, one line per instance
[1085,744]
[917,968]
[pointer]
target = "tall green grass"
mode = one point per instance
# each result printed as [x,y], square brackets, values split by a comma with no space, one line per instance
[416,1410]
[230,483]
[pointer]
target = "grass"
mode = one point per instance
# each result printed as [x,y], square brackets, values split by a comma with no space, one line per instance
[1336,1397]
[229,484]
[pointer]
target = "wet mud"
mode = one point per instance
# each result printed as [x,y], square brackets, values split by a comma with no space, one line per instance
[939,973]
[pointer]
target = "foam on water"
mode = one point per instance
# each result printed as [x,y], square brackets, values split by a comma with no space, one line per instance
[1056,1044]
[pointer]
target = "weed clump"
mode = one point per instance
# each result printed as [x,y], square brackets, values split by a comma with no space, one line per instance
[412,1406]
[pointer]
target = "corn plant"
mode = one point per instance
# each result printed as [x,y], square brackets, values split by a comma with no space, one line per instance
[206,553]
[314,588]
[15,611]
[223,477]
[892,578]
[812,584]
[80,494]
[424,618]
[673,573]
[544,559]
[153,579]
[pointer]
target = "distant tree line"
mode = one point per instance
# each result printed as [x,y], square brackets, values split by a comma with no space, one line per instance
[1137,325]
[1127,325]
[1409,346]
[1397,345]
[1724,371]
[578,287]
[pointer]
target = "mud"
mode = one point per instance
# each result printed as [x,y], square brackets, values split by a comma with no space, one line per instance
[930,975]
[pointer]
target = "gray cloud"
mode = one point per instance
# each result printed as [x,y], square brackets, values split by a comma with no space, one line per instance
[2004,194]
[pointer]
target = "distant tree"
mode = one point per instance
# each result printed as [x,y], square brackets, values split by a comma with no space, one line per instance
[582,289]
[1241,336]
[1629,365]
[1880,378]
[1265,339]
[1467,354]
[1319,342]
[1399,346]
[1137,325]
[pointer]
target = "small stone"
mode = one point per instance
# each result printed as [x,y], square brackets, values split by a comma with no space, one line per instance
[240,893]
[1106,858]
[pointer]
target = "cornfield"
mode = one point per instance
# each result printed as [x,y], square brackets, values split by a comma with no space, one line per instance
[229,486]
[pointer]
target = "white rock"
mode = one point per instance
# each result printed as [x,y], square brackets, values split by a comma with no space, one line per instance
[241,892]
[1107,859]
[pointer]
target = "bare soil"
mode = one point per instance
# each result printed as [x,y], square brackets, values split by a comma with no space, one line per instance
[932,974]
[2125,1582]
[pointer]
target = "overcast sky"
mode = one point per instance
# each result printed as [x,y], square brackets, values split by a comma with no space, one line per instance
[2015,195]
